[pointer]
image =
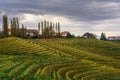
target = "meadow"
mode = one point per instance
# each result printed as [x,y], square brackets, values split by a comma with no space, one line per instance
[59,59]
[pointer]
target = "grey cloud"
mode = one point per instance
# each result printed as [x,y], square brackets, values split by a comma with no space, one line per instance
[74,9]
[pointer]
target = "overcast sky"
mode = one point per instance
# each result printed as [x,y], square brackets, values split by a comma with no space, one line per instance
[76,16]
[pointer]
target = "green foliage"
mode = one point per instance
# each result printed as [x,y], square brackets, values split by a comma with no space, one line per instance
[103,36]
[70,36]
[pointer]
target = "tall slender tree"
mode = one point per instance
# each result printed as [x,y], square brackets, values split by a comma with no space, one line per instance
[58,29]
[39,28]
[42,29]
[23,31]
[5,26]
[49,29]
[53,28]
[17,27]
[14,27]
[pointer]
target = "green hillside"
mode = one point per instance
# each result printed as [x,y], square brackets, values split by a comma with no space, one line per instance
[59,59]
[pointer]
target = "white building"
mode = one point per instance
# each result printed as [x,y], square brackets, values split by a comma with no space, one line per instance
[64,34]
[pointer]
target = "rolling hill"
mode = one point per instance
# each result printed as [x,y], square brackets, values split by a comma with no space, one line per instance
[59,59]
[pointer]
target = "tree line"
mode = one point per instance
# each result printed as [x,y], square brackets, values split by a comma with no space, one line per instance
[46,29]
[14,30]
[49,29]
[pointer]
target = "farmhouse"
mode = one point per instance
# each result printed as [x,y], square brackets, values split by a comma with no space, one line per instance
[114,38]
[64,33]
[89,35]
[32,32]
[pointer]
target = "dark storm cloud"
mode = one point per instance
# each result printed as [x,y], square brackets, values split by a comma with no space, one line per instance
[75,9]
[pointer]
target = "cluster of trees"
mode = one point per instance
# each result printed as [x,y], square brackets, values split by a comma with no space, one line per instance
[49,29]
[103,36]
[14,30]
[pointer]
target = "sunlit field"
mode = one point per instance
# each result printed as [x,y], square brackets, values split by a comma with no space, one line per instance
[59,59]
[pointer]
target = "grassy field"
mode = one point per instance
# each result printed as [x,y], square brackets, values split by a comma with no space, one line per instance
[59,59]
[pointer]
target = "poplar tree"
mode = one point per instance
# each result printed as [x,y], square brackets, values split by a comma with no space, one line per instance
[45,29]
[17,27]
[49,29]
[5,26]
[42,29]
[58,29]
[103,36]
[53,30]
[14,27]
[39,28]
[23,31]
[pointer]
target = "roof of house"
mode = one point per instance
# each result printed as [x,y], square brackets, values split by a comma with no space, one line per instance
[114,37]
[32,31]
[9,29]
[64,32]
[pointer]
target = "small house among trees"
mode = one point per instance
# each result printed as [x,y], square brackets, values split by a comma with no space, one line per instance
[26,32]
[114,38]
[64,33]
[89,35]
[32,32]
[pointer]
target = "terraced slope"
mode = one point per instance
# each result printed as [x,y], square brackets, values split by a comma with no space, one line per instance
[105,48]
[21,58]
[82,69]
[59,59]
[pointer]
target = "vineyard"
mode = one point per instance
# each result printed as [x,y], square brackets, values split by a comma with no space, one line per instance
[59,59]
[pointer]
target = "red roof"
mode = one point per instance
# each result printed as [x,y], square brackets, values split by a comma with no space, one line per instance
[32,31]
[9,30]
[114,37]
[65,32]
